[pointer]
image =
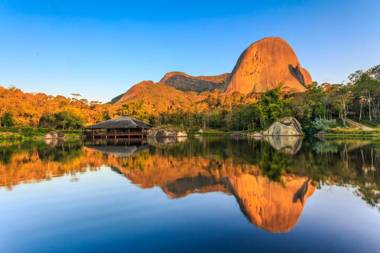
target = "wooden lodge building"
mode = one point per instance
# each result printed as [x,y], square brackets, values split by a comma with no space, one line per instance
[123,128]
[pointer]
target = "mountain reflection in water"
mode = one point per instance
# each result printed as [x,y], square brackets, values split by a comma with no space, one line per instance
[271,180]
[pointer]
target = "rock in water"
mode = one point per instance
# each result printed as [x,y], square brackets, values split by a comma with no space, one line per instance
[54,138]
[268,64]
[287,126]
[166,133]
[54,135]
[286,144]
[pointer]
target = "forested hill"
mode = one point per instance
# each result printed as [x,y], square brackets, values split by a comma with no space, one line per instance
[318,107]
[28,108]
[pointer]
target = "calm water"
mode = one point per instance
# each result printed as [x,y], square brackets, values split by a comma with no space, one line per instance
[199,195]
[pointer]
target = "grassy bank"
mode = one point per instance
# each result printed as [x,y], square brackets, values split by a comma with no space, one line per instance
[193,131]
[330,133]
[31,133]
[37,134]
[213,132]
[352,133]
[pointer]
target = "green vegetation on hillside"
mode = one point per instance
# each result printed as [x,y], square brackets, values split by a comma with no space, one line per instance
[325,107]
[60,120]
[322,107]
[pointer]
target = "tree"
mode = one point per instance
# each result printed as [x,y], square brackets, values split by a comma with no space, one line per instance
[366,90]
[272,107]
[60,120]
[374,72]
[106,115]
[134,109]
[7,120]
[343,97]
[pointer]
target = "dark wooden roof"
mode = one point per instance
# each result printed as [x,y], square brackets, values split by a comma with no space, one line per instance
[120,123]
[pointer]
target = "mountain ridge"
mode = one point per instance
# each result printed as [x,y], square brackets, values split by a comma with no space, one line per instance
[267,64]
[185,82]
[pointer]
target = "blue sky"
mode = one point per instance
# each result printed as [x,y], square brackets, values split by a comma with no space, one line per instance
[100,48]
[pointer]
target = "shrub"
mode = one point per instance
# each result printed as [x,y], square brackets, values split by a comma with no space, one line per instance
[323,124]
[6,120]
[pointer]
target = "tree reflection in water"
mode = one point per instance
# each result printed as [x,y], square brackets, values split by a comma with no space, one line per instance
[271,184]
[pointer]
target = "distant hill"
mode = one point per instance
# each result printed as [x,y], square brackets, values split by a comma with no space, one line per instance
[267,64]
[159,97]
[185,82]
[173,82]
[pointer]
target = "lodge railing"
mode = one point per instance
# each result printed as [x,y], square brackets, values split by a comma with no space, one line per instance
[113,134]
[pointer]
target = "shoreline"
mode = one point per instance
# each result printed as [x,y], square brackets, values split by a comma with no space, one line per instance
[38,134]
[34,134]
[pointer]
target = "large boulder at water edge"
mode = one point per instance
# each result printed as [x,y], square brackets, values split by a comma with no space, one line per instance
[287,126]
[166,133]
[54,138]
[54,135]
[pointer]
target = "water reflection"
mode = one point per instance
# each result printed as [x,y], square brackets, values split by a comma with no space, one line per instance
[285,144]
[271,179]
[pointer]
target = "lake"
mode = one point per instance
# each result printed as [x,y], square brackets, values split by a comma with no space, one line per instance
[203,194]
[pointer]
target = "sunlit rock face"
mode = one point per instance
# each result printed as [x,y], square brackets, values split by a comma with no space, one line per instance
[268,64]
[273,206]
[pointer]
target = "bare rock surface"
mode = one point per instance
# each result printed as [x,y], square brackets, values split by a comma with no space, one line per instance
[54,135]
[268,64]
[287,126]
[166,133]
